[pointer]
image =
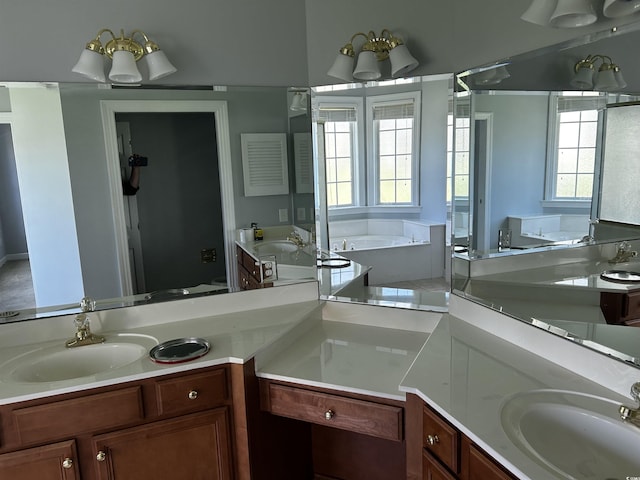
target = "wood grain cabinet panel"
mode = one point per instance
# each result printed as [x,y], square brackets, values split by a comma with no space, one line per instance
[432,470]
[57,461]
[369,418]
[71,417]
[478,466]
[441,439]
[196,446]
[190,393]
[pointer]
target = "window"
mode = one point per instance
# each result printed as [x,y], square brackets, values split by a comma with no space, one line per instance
[575,142]
[341,150]
[394,149]
[388,175]
[458,135]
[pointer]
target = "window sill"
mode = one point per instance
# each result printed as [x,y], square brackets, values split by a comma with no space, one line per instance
[584,204]
[404,209]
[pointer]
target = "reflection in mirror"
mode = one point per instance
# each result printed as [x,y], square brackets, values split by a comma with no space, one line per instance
[67,227]
[549,236]
[382,156]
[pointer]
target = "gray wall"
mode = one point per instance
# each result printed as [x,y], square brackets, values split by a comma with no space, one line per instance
[12,236]
[284,42]
[250,110]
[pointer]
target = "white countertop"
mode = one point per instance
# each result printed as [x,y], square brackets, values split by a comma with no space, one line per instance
[466,374]
[342,356]
[234,338]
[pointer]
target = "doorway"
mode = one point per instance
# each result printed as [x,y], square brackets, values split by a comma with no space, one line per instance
[219,115]
[176,214]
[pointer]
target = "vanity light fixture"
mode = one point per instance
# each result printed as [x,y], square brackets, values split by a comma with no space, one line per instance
[560,13]
[620,8]
[607,78]
[376,49]
[124,53]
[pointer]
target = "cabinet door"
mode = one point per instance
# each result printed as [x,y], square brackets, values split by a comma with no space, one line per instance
[432,470]
[50,462]
[478,466]
[192,447]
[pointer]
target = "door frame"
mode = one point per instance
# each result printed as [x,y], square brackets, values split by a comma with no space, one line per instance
[108,109]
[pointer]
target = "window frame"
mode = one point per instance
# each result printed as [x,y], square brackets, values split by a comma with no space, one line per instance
[550,200]
[358,185]
[372,163]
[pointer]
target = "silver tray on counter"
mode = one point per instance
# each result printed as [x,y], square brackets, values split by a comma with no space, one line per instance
[179,350]
[620,276]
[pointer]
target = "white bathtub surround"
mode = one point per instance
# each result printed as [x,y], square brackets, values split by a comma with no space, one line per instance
[397,250]
[539,229]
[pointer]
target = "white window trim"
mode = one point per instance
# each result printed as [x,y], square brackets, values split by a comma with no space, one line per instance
[372,164]
[552,161]
[359,180]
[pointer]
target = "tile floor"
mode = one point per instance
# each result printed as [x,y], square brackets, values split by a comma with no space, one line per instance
[16,287]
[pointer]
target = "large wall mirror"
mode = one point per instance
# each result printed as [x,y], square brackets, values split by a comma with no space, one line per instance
[381,161]
[67,227]
[546,205]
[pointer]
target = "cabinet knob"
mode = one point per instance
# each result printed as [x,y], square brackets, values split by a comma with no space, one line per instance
[432,439]
[193,394]
[67,463]
[101,456]
[328,415]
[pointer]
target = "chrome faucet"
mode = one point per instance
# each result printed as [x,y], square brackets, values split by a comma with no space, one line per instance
[83,332]
[296,238]
[632,415]
[623,253]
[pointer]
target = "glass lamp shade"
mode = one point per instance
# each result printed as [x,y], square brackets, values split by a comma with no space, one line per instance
[159,65]
[619,78]
[123,68]
[573,13]
[606,80]
[583,79]
[91,65]
[299,102]
[402,61]
[620,8]
[367,67]
[540,11]
[342,67]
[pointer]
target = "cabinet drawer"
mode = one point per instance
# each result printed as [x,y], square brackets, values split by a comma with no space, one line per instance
[358,416]
[432,470]
[441,439]
[78,415]
[192,393]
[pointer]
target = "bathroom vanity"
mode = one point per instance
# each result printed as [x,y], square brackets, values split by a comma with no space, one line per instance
[312,389]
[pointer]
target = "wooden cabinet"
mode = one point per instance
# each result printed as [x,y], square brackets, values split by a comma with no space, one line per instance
[349,436]
[620,308]
[436,450]
[251,272]
[184,448]
[177,425]
[57,461]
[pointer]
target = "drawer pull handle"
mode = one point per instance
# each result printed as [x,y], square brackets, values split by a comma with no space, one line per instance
[329,414]
[193,394]
[67,463]
[101,456]
[432,439]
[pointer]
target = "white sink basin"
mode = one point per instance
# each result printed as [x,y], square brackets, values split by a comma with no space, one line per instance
[574,435]
[274,247]
[58,363]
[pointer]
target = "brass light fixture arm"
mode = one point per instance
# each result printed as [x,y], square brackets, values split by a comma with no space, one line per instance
[590,60]
[378,44]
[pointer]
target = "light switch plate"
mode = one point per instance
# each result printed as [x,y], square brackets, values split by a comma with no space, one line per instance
[302,214]
[283,214]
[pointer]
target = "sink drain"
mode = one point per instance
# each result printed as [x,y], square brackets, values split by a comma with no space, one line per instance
[9,314]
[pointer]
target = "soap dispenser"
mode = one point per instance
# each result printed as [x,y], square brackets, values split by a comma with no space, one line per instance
[258,234]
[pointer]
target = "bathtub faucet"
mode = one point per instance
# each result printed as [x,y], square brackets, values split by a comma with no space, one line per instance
[623,253]
[296,238]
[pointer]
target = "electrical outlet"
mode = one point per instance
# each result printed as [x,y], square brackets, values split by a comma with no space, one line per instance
[302,215]
[283,214]
[208,255]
